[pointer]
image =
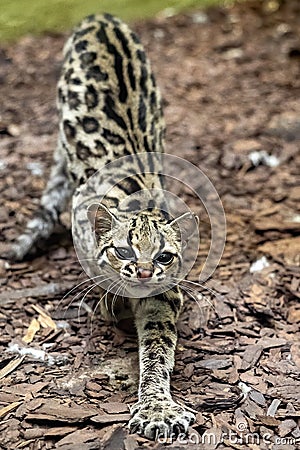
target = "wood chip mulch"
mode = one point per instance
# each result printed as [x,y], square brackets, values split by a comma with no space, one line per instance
[230,79]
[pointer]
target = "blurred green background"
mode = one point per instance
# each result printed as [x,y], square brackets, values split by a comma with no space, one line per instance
[19,17]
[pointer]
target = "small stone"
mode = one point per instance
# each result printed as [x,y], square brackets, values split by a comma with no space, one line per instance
[14,130]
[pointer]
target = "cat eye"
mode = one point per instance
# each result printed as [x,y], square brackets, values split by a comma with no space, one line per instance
[165,258]
[124,253]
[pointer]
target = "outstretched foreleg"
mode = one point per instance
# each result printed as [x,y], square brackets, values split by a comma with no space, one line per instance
[54,200]
[156,414]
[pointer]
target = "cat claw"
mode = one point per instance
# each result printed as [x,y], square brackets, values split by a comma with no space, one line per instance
[161,421]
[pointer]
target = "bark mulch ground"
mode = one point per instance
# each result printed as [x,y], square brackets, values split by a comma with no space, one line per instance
[230,79]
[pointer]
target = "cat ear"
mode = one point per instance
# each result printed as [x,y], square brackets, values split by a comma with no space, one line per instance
[101,219]
[185,225]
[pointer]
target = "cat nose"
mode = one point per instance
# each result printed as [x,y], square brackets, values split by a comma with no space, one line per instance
[144,273]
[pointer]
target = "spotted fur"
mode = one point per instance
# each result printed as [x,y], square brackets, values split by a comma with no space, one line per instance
[109,107]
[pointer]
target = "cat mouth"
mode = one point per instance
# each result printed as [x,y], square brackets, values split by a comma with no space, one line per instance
[137,285]
[142,282]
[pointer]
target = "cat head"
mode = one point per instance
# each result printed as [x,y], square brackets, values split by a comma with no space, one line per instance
[145,250]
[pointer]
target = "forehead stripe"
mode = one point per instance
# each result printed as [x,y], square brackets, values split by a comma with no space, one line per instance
[162,243]
[161,246]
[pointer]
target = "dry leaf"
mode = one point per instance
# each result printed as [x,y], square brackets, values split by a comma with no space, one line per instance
[8,408]
[44,319]
[11,366]
[31,332]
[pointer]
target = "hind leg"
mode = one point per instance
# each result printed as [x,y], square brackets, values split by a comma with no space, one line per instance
[54,200]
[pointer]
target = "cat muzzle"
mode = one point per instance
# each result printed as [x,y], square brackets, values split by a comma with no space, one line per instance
[144,274]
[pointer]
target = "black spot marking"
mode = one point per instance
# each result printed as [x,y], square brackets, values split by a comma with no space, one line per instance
[121,38]
[73,100]
[91,96]
[90,125]
[162,182]
[69,129]
[96,73]
[167,341]
[131,76]
[133,224]
[140,54]
[129,186]
[129,270]
[99,146]
[150,326]
[112,137]
[162,360]
[142,114]
[82,151]
[135,38]
[68,75]
[153,99]
[134,205]
[109,110]
[90,172]
[111,18]
[129,115]
[101,35]
[73,176]
[81,46]
[76,81]
[171,327]
[152,130]
[160,326]
[154,326]
[87,58]
[148,342]
[143,80]
[141,168]
[165,374]
[85,31]
[90,18]
[61,96]
[118,63]
[150,162]
[153,79]
[146,145]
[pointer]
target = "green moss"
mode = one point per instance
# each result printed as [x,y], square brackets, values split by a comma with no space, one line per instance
[19,17]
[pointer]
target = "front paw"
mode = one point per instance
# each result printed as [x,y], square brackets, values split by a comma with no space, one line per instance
[160,419]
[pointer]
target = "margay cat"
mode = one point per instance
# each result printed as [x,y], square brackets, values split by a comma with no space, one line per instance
[110,107]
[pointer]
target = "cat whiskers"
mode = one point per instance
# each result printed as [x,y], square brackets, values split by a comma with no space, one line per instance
[116,297]
[190,293]
[202,286]
[106,292]
[80,292]
[194,294]
[75,287]
[83,298]
[73,300]
[194,290]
